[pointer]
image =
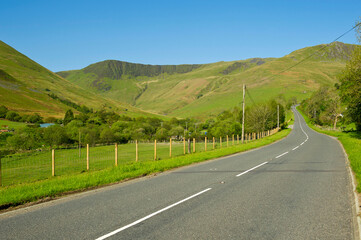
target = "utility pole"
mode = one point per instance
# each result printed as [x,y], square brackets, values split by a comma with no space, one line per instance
[278,116]
[243,106]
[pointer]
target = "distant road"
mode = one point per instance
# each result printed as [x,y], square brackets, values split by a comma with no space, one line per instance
[297,188]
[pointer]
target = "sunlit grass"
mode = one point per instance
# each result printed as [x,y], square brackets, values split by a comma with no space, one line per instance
[55,186]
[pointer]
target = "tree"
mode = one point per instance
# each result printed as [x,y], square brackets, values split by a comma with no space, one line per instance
[177,131]
[3,111]
[11,115]
[259,118]
[55,135]
[162,134]
[69,116]
[351,87]
[107,136]
[73,129]
[25,139]
[35,118]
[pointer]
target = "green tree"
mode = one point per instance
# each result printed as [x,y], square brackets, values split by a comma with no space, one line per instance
[25,139]
[55,135]
[73,129]
[35,118]
[162,134]
[69,116]
[3,111]
[11,115]
[107,135]
[351,87]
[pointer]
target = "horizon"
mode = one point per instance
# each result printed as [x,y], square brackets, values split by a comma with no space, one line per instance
[69,36]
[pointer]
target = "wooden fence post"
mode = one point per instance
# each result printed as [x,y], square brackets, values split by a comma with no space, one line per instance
[227,140]
[53,162]
[136,151]
[205,144]
[237,139]
[116,154]
[155,149]
[184,146]
[87,157]
[214,143]
[189,145]
[232,139]
[220,142]
[194,145]
[170,147]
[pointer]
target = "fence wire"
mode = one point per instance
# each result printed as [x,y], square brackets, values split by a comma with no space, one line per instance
[34,166]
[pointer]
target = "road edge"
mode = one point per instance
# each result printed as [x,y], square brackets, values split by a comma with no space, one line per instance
[356,219]
[355,204]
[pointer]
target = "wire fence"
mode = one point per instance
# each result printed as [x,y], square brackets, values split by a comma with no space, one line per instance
[39,165]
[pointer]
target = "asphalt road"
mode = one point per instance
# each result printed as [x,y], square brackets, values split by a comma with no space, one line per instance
[297,188]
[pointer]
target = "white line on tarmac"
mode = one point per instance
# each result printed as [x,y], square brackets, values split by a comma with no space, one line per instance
[251,169]
[151,215]
[282,154]
[295,148]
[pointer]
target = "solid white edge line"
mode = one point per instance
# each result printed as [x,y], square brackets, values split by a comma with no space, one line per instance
[302,143]
[282,154]
[150,215]
[295,148]
[251,169]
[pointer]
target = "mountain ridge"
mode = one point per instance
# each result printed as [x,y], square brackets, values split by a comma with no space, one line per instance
[27,87]
[210,88]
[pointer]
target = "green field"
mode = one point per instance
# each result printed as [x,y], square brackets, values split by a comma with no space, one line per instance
[56,186]
[351,142]
[30,167]
[11,125]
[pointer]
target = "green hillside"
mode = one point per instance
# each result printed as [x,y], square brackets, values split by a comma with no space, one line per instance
[26,87]
[204,90]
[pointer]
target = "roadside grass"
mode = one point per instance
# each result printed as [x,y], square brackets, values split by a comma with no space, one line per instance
[351,142]
[60,185]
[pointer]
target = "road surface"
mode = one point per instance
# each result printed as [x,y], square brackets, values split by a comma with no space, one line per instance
[297,188]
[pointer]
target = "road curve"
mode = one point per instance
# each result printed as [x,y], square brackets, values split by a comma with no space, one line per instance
[297,188]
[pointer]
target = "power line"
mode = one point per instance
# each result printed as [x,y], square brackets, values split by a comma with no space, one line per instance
[326,46]
[305,59]
[249,95]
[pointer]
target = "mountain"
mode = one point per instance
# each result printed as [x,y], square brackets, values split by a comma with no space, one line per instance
[206,89]
[27,87]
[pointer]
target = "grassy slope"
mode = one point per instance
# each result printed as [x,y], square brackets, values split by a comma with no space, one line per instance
[351,142]
[25,85]
[206,90]
[20,194]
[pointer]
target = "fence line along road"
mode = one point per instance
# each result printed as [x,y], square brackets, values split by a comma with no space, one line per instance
[39,165]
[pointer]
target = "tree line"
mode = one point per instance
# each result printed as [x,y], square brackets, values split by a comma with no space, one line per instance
[106,127]
[342,102]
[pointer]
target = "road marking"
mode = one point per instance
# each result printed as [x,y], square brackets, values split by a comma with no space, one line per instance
[281,154]
[251,169]
[151,215]
[295,148]
[302,143]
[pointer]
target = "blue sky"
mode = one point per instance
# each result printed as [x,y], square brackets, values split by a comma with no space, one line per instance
[64,35]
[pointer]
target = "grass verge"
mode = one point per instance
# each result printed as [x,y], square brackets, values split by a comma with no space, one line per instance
[351,142]
[57,186]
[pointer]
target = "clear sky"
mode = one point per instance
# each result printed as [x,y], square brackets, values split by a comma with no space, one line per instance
[64,35]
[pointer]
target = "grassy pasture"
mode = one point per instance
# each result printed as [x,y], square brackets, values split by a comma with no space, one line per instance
[56,186]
